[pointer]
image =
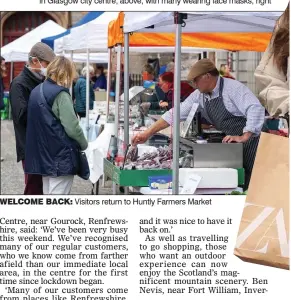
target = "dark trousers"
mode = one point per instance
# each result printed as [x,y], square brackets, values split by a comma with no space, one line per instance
[33,183]
[81,114]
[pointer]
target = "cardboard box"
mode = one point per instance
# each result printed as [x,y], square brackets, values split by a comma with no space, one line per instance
[100,95]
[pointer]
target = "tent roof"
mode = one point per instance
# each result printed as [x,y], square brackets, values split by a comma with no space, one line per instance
[19,49]
[92,35]
[87,18]
[256,41]
[163,22]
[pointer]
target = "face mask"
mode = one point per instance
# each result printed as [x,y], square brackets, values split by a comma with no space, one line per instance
[42,69]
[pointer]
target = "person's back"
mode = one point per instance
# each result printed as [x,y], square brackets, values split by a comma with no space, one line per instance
[80,96]
[54,136]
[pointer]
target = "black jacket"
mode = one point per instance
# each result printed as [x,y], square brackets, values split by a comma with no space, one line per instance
[20,90]
[2,106]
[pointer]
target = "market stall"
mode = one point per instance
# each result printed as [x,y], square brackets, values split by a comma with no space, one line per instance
[190,22]
[83,38]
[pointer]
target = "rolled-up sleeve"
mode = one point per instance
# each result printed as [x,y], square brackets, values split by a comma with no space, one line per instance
[249,105]
[185,108]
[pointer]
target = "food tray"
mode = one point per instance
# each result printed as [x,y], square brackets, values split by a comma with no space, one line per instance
[137,178]
[140,178]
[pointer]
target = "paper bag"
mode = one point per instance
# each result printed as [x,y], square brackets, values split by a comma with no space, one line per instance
[263,236]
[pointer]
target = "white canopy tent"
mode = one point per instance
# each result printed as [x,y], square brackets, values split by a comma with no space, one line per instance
[18,50]
[92,35]
[165,22]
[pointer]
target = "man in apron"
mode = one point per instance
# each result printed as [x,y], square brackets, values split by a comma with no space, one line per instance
[228,104]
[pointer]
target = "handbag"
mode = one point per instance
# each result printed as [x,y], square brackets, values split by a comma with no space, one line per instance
[83,167]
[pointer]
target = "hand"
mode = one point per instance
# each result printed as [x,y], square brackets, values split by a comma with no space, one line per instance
[140,138]
[163,104]
[236,139]
[206,126]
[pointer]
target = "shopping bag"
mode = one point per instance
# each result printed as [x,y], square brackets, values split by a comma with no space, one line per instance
[263,236]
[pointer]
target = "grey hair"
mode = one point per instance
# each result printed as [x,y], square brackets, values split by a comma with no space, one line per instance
[84,71]
[170,67]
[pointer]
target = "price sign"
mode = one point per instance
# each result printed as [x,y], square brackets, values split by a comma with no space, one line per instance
[191,184]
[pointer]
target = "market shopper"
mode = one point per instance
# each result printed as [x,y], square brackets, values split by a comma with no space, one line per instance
[225,71]
[80,92]
[272,74]
[170,67]
[54,136]
[32,75]
[228,104]
[3,74]
[101,81]
[148,73]
[166,83]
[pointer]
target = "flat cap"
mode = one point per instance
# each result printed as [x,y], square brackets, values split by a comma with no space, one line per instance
[201,67]
[43,52]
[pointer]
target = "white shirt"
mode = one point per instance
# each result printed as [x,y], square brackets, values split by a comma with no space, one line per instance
[238,100]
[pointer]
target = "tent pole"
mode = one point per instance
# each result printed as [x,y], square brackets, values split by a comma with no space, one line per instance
[126,94]
[237,65]
[126,88]
[71,87]
[177,85]
[117,90]
[117,97]
[11,78]
[108,83]
[11,71]
[87,95]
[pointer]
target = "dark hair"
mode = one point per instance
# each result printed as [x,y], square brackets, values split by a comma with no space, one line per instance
[280,42]
[149,69]
[214,72]
[167,77]
[2,59]
[101,68]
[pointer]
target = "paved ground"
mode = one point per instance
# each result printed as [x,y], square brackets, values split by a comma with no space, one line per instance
[12,177]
